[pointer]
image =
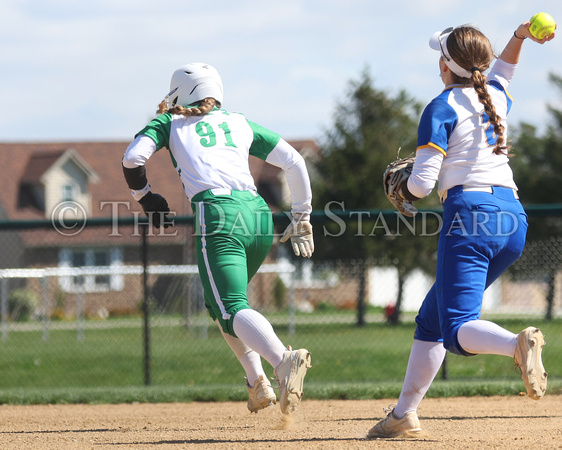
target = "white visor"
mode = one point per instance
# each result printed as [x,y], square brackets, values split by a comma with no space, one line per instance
[438,42]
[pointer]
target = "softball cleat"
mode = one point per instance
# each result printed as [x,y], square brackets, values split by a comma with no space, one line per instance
[391,426]
[290,376]
[528,358]
[261,395]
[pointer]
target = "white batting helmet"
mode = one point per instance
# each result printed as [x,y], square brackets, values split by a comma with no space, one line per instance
[194,82]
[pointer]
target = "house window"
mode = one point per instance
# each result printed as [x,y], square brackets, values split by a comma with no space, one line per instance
[68,192]
[100,268]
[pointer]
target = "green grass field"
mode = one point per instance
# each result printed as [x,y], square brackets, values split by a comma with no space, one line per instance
[107,366]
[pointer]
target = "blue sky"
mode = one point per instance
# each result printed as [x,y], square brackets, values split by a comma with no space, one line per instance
[96,70]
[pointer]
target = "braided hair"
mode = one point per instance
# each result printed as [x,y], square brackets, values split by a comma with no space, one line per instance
[198,109]
[472,51]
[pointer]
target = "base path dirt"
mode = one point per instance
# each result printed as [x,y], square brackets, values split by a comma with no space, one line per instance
[459,423]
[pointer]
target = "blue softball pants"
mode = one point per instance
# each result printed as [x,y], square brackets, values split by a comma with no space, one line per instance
[482,235]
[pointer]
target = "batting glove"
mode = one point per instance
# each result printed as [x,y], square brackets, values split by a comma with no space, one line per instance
[156,208]
[302,241]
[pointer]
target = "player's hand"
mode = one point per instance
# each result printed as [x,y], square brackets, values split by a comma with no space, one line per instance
[156,208]
[300,233]
[523,31]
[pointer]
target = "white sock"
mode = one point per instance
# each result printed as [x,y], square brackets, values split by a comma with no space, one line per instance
[424,363]
[256,332]
[484,337]
[250,360]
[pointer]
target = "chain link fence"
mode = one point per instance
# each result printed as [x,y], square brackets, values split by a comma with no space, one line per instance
[111,304]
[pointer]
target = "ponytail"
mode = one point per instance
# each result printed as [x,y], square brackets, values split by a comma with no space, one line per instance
[200,108]
[479,82]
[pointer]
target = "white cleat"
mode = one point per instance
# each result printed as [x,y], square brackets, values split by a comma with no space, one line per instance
[391,426]
[261,395]
[528,358]
[290,376]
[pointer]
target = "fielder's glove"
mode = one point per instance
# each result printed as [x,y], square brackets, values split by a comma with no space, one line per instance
[394,178]
[300,232]
[156,208]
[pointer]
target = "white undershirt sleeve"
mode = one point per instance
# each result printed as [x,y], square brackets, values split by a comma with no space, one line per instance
[425,172]
[136,155]
[502,72]
[138,152]
[292,163]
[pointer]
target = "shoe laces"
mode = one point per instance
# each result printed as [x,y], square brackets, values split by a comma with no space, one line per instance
[276,378]
[389,409]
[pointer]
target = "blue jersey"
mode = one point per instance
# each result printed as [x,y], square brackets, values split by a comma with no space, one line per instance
[455,124]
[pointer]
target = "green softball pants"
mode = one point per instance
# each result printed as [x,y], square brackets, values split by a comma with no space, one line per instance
[234,233]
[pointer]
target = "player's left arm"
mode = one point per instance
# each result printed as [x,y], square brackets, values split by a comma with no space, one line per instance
[436,125]
[424,174]
[137,154]
[149,140]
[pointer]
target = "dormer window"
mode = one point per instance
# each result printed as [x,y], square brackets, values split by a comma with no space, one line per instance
[68,192]
[53,178]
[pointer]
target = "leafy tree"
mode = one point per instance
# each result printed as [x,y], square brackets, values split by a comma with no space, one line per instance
[537,164]
[369,127]
[537,168]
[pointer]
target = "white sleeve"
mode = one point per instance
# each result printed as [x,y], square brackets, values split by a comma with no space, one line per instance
[425,172]
[502,72]
[138,152]
[292,163]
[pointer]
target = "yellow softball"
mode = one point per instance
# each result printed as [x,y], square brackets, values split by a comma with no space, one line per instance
[542,24]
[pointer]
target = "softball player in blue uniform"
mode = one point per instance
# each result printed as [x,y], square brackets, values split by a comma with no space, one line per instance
[462,146]
[209,147]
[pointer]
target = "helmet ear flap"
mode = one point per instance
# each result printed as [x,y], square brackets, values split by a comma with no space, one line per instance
[170,103]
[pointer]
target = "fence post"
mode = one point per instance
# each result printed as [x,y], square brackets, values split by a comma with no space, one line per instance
[145,305]
[292,306]
[4,307]
[80,313]
[361,294]
[444,371]
[45,306]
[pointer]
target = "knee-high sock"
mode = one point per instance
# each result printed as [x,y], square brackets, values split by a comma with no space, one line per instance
[256,332]
[424,363]
[250,360]
[484,337]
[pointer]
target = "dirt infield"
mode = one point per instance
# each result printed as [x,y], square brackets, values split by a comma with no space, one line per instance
[467,423]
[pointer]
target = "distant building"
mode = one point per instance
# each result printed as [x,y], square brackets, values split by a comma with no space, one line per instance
[40,180]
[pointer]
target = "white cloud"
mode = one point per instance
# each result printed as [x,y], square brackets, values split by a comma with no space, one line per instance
[97,70]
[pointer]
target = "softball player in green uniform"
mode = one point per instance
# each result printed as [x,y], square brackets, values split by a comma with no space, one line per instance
[209,147]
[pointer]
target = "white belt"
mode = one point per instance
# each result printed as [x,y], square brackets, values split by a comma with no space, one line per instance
[221,191]
[226,191]
[488,189]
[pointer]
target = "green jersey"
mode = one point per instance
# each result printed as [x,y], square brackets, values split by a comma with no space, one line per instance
[212,151]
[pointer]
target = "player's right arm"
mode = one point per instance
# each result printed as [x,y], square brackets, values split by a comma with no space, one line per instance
[299,230]
[293,165]
[274,150]
[512,50]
